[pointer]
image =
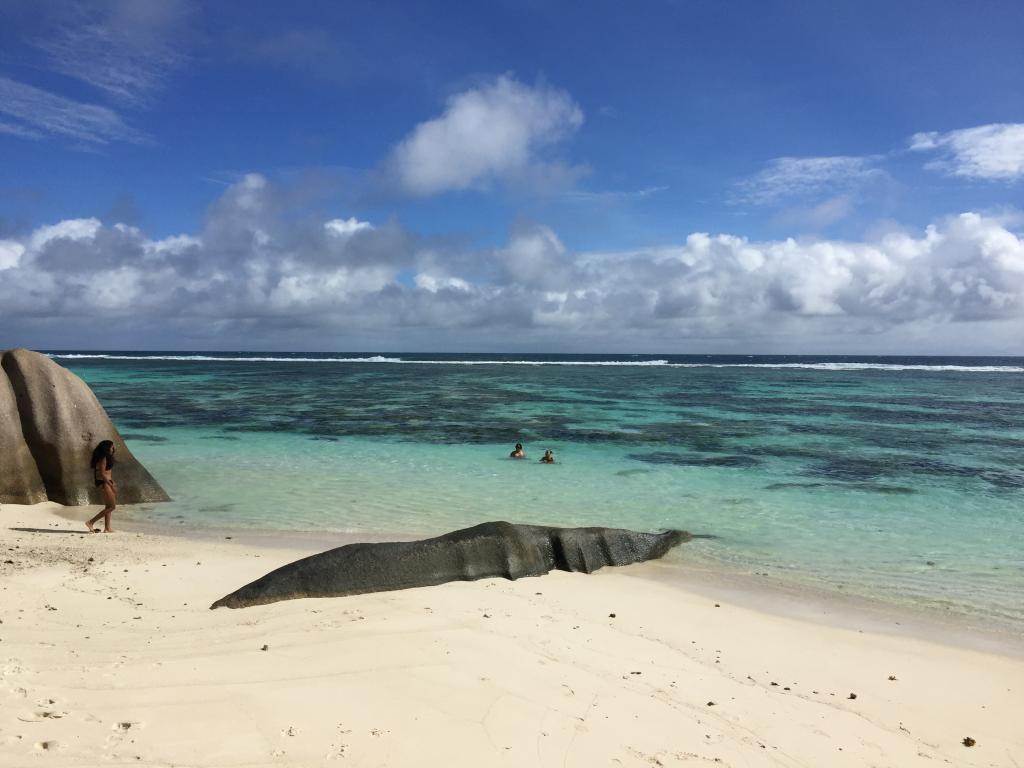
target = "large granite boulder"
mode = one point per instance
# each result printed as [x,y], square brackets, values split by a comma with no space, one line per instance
[20,482]
[50,421]
[485,550]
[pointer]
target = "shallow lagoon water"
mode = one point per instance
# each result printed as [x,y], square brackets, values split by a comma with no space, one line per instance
[896,479]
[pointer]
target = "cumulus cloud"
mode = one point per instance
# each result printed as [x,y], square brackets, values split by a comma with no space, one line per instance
[993,151]
[536,259]
[490,133]
[791,177]
[10,253]
[346,227]
[256,276]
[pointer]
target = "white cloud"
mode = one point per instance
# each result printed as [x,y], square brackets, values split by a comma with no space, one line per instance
[429,282]
[792,177]
[346,227]
[20,131]
[40,112]
[256,275]
[535,258]
[10,253]
[173,246]
[485,134]
[993,151]
[125,48]
[69,229]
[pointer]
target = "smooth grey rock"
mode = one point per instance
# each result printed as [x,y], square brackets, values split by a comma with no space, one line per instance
[60,422]
[20,482]
[483,551]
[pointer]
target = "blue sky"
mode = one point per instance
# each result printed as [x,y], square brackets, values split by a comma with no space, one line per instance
[462,133]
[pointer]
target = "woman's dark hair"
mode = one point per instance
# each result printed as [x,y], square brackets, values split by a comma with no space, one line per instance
[102,451]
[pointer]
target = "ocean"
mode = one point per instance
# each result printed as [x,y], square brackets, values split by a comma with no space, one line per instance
[898,480]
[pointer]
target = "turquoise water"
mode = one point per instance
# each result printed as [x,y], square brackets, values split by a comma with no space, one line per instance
[896,479]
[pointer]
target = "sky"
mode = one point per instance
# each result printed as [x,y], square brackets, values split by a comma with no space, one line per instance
[664,176]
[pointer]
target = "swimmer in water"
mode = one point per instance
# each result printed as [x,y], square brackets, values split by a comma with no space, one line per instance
[548,457]
[518,453]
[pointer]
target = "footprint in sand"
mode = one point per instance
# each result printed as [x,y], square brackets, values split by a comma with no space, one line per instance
[336,752]
[339,750]
[120,734]
[46,714]
[47,746]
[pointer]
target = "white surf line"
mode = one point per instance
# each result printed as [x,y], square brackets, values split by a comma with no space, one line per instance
[823,366]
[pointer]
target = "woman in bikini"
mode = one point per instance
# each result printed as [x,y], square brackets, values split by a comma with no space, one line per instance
[102,463]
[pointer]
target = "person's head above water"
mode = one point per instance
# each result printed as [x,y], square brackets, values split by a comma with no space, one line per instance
[104,450]
[518,453]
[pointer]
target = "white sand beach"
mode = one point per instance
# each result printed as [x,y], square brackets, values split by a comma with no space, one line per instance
[109,655]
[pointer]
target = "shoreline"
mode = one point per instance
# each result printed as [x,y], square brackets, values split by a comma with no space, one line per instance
[110,654]
[776,597]
[769,595]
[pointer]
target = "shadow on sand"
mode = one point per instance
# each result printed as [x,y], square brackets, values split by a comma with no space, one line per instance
[49,530]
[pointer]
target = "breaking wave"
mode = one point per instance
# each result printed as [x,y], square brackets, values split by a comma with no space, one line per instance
[812,366]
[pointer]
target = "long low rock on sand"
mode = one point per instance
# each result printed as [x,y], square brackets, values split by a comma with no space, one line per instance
[109,656]
[487,550]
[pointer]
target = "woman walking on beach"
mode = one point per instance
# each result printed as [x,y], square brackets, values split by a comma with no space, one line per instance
[102,463]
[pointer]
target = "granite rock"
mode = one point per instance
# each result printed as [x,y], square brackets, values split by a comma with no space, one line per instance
[50,421]
[20,482]
[483,551]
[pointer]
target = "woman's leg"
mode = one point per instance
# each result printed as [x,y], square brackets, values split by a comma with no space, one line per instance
[92,521]
[111,500]
[110,504]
